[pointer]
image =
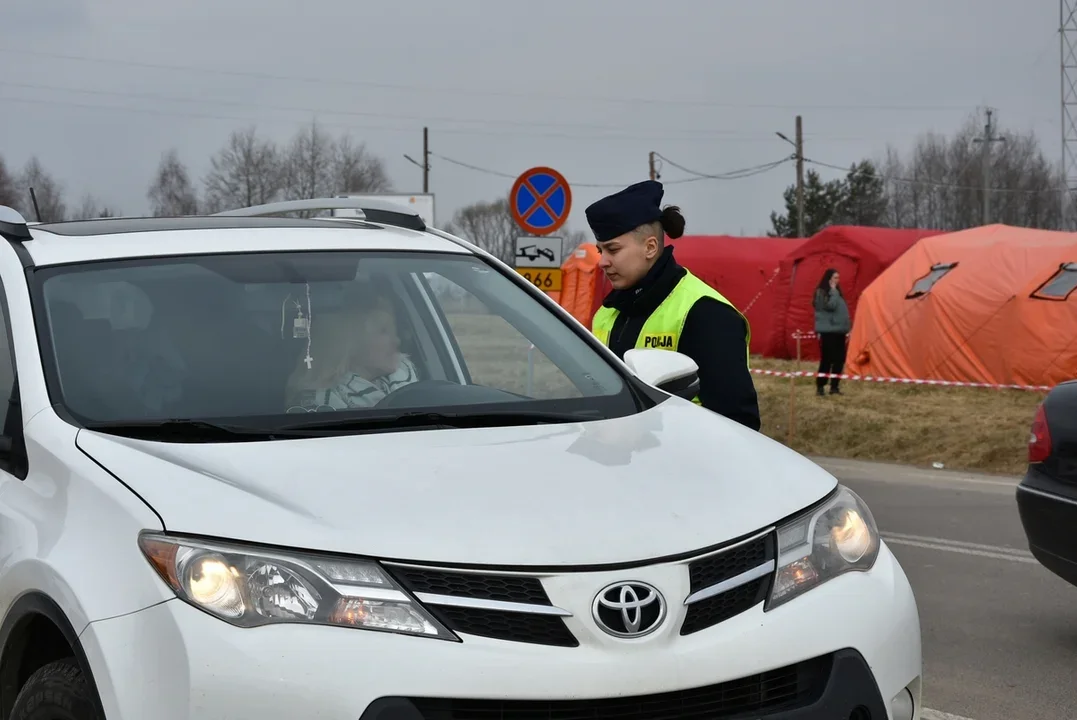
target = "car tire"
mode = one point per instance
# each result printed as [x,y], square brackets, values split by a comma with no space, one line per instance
[57,691]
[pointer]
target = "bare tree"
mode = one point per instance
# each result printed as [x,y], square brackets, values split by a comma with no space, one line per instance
[939,185]
[355,170]
[488,225]
[49,192]
[8,194]
[246,171]
[172,193]
[898,195]
[307,165]
[317,165]
[91,208]
[571,240]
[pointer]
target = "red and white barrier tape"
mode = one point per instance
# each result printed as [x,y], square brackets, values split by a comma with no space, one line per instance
[798,335]
[898,381]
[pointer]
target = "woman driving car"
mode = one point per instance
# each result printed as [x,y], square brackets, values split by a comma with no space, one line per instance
[356,358]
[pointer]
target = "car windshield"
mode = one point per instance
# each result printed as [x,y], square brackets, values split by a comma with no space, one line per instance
[311,336]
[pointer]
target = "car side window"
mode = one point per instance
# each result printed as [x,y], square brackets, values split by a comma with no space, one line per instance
[496,353]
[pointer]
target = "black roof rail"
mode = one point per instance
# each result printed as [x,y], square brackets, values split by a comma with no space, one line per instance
[13,225]
[379,211]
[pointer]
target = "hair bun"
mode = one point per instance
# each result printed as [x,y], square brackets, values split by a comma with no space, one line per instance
[672,222]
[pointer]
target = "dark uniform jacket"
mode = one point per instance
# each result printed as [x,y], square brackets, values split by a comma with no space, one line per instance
[714,336]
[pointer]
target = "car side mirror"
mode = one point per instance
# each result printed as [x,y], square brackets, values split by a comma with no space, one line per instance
[671,372]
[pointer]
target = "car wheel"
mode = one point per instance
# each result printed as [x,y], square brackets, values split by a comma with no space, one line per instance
[57,691]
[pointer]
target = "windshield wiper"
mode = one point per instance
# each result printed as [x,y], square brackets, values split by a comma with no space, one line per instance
[428,419]
[192,430]
[205,431]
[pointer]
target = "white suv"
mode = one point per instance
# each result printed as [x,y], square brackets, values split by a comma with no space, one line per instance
[257,467]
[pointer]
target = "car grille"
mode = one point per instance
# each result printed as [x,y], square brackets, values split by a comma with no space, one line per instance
[514,626]
[724,566]
[527,623]
[506,588]
[516,608]
[773,691]
[727,563]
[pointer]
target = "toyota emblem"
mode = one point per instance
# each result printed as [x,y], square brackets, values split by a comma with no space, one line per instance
[629,609]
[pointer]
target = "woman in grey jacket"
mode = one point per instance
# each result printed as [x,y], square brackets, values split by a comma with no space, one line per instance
[832,324]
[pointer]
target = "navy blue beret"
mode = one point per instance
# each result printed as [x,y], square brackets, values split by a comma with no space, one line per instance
[625,210]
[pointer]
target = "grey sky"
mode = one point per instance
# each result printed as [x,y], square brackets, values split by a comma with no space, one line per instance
[588,87]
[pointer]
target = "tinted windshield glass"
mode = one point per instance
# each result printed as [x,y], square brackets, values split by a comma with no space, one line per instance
[240,336]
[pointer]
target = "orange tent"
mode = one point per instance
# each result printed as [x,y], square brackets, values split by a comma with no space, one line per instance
[579,278]
[993,304]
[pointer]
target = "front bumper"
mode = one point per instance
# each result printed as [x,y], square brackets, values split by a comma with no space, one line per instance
[837,685]
[173,662]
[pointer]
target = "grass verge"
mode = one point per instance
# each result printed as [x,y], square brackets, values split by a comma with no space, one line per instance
[963,428]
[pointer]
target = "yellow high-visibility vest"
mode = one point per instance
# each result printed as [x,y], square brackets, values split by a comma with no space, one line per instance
[662,329]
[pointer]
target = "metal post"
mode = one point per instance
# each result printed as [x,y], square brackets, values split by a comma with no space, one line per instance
[793,397]
[800,178]
[530,369]
[987,171]
[1063,195]
[1067,41]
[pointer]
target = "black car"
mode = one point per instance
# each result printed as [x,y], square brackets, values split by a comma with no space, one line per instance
[1047,496]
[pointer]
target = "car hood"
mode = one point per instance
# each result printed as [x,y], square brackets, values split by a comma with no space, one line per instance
[670,480]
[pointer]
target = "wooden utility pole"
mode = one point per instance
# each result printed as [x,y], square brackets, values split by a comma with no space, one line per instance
[800,178]
[654,174]
[426,161]
[425,164]
[986,140]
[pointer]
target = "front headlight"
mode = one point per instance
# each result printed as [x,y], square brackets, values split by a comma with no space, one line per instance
[249,587]
[837,537]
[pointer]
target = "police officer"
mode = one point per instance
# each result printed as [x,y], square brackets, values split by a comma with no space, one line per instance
[657,303]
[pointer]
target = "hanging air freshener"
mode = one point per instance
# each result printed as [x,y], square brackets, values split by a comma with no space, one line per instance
[301,323]
[300,326]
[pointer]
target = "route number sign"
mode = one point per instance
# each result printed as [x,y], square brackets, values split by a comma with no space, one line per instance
[539,260]
[545,280]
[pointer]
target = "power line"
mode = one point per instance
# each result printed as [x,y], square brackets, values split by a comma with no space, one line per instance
[478,132]
[498,173]
[157,97]
[530,95]
[476,168]
[196,115]
[484,131]
[731,175]
[931,183]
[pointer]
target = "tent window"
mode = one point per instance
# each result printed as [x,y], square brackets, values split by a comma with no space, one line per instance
[1061,284]
[923,285]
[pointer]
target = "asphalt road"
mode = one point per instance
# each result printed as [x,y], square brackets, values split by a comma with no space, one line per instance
[999,632]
